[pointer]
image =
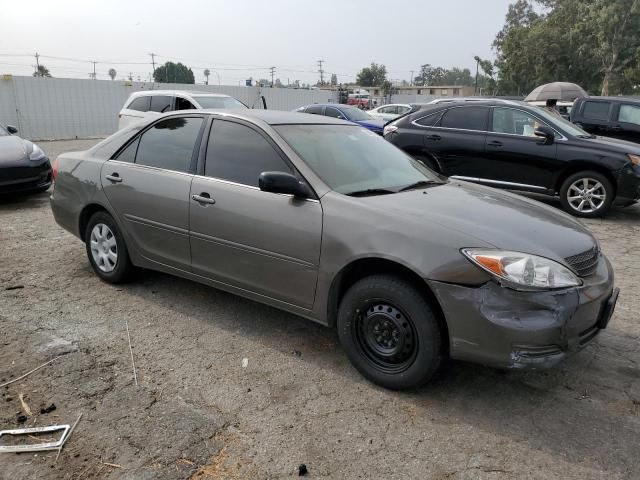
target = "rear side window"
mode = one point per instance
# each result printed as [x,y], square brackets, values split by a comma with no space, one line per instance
[333,112]
[429,120]
[140,104]
[315,109]
[239,154]
[169,144]
[596,110]
[160,103]
[184,104]
[467,118]
[629,114]
[129,154]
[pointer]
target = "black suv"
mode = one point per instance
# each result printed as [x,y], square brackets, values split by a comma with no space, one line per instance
[513,145]
[616,117]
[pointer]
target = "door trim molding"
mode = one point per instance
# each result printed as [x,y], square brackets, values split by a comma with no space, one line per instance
[499,182]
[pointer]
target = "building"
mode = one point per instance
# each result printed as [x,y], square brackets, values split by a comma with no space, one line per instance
[438,91]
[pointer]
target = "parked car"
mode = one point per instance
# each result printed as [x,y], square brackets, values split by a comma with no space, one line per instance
[326,220]
[345,112]
[389,112]
[24,167]
[615,117]
[513,145]
[149,103]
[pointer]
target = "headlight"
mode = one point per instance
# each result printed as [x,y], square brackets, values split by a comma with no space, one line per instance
[522,271]
[36,153]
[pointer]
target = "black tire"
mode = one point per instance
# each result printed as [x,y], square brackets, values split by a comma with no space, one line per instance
[123,269]
[566,191]
[409,353]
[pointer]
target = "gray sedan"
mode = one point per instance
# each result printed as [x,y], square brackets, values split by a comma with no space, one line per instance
[324,219]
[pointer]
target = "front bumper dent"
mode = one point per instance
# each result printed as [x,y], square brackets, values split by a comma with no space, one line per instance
[504,328]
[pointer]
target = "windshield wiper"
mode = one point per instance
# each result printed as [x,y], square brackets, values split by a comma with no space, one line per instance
[421,183]
[370,191]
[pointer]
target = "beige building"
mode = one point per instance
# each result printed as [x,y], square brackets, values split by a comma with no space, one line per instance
[439,91]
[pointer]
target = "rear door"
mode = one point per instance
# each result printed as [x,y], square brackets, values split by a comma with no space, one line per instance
[514,156]
[262,242]
[627,122]
[148,185]
[458,141]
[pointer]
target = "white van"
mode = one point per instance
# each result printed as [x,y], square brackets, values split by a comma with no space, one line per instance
[143,104]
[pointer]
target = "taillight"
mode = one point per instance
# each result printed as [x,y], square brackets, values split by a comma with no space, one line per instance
[54,170]
[389,129]
[119,115]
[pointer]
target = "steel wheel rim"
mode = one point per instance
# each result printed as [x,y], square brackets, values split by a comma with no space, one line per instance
[386,336]
[104,248]
[586,195]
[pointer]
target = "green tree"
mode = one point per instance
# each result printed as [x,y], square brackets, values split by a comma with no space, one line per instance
[42,71]
[173,73]
[372,76]
[334,79]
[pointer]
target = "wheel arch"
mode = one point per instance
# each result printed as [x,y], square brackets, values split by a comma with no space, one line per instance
[85,215]
[363,267]
[580,166]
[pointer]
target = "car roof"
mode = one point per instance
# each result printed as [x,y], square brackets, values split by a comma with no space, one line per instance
[189,93]
[619,99]
[277,117]
[334,105]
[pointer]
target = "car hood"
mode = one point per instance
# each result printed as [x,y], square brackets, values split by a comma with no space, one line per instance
[13,149]
[501,219]
[622,146]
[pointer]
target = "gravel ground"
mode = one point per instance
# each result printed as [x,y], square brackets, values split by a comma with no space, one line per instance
[197,413]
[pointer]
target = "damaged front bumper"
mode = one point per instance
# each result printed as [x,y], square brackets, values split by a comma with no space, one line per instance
[505,328]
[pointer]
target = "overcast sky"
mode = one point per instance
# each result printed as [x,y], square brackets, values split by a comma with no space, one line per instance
[241,38]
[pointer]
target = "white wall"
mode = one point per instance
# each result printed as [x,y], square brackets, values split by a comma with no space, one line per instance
[61,108]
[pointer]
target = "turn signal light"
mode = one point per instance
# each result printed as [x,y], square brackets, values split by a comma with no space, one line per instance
[635,159]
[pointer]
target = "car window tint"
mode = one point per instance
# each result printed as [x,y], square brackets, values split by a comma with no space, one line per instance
[596,110]
[333,112]
[429,120]
[140,104]
[184,104]
[629,114]
[514,122]
[160,103]
[169,144]
[240,154]
[129,153]
[468,118]
[315,109]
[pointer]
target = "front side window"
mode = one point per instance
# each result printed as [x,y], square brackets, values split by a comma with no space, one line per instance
[169,144]
[596,110]
[514,122]
[140,104]
[160,103]
[240,154]
[184,104]
[355,114]
[466,118]
[629,114]
[351,159]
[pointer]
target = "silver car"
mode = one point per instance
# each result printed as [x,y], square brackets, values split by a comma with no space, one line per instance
[327,220]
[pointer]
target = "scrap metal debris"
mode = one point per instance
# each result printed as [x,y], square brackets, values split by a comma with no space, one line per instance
[135,377]
[48,409]
[67,435]
[14,287]
[34,447]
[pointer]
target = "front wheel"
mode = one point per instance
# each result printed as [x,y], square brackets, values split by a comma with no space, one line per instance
[586,194]
[389,332]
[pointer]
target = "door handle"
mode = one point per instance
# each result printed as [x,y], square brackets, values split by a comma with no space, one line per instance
[616,128]
[495,143]
[203,198]
[434,137]
[114,177]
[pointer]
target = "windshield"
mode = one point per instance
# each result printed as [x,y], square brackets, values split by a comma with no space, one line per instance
[355,114]
[351,159]
[564,124]
[219,102]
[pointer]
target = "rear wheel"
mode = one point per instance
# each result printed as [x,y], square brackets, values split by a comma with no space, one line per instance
[106,249]
[389,332]
[587,194]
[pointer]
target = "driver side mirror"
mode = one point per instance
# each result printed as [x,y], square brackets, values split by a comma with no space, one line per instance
[281,182]
[12,130]
[545,133]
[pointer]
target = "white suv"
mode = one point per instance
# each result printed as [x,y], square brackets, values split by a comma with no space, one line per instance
[143,104]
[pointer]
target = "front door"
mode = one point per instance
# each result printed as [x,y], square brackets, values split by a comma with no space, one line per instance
[148,186]
[262,242]
[515,157]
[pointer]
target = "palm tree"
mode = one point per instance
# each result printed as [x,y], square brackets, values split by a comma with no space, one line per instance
[206,74]
[112,73]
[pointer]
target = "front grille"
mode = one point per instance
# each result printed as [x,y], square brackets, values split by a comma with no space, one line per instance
[585,263]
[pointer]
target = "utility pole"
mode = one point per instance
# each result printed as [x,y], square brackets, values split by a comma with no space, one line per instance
[93,75]
[37,63]
[477,59]
[273,71]
[153,62]
[321,71]
[411,82]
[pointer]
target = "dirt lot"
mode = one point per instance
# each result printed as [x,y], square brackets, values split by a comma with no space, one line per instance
[197,413]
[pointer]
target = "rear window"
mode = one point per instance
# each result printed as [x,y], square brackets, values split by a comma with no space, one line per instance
[140,104]
[467,118]
[629,114]
[314,109]
[596,110]
[219,102]
[429,120]
[160,103]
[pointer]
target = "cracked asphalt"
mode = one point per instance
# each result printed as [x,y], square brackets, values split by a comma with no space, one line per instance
[198,413]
